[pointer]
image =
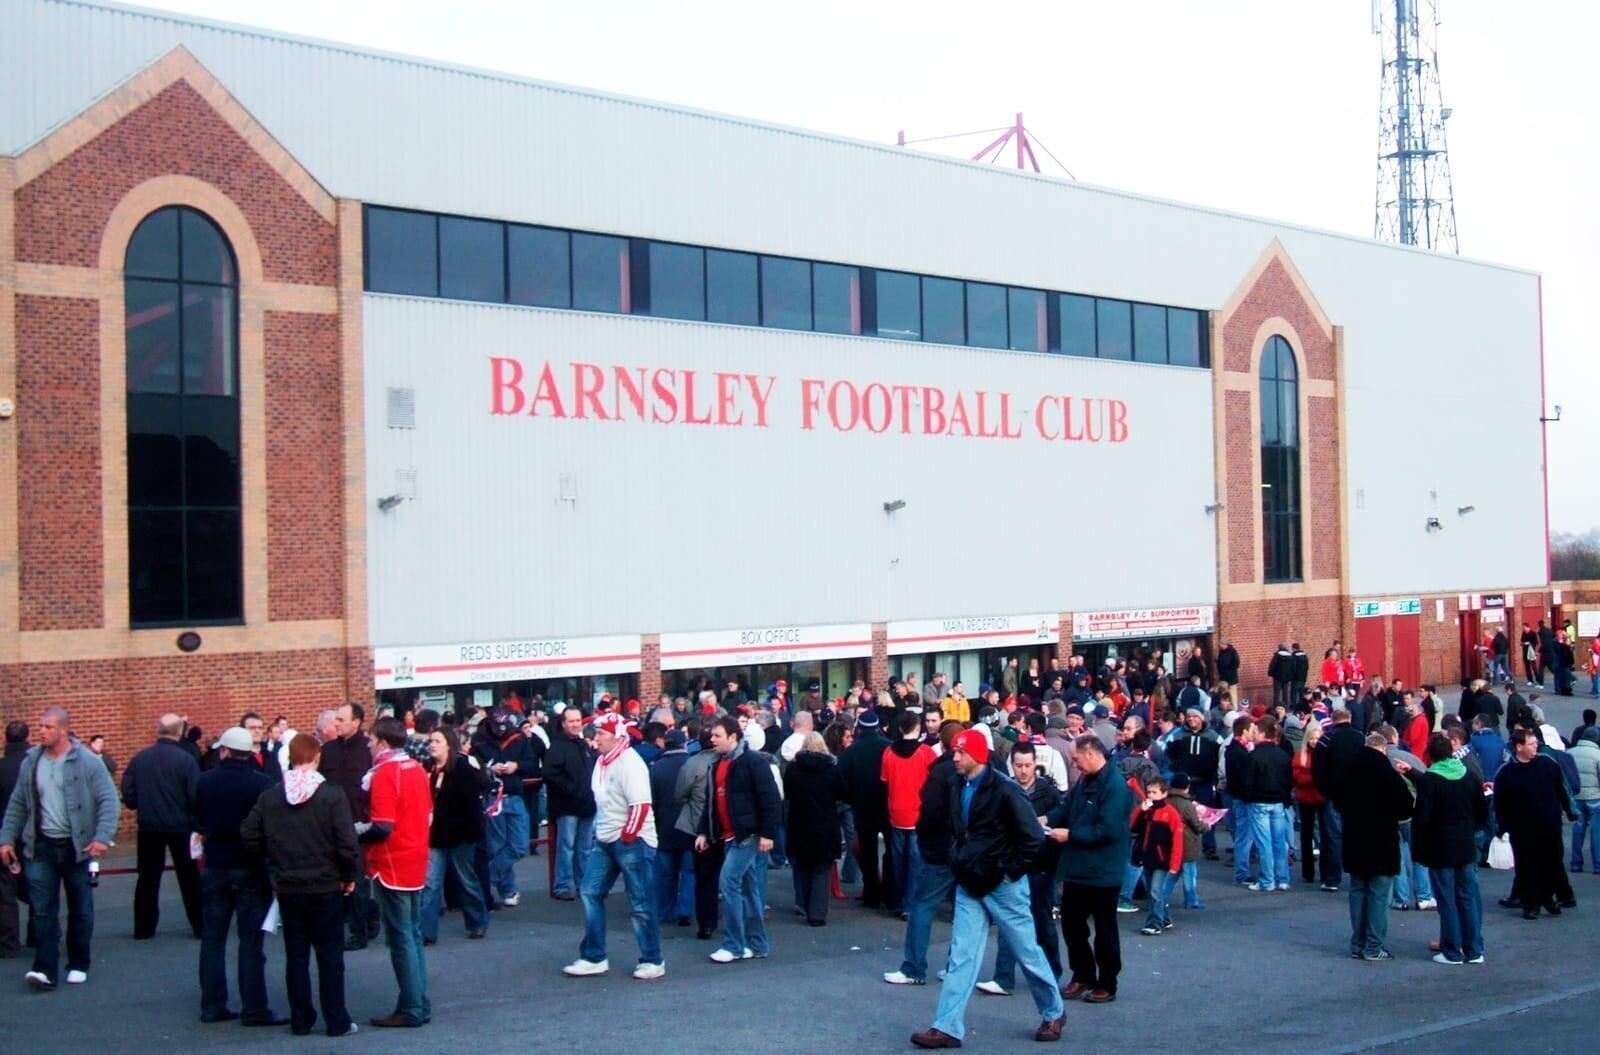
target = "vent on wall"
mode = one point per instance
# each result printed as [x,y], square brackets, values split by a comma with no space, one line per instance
[402,408]
[405,483]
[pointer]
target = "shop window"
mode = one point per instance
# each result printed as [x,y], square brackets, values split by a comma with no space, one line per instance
[471,259]
[1113,329]
[897,306]
[1149,333]
[986,315]
[600,273]
[836,298]
[402,252]
[669,280]
[944,317]
[181,322]
[732,289]
[1077,325]
[785,293]
[539,266]
[1280,462]
[1029,329]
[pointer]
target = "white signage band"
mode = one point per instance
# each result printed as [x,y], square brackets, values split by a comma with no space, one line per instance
[509,660]
[961,633]
[1143,622]
[764,644]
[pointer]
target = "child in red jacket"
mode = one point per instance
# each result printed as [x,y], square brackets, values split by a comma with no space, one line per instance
[1158,849]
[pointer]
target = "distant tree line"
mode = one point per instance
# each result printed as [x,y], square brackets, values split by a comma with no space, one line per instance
[1574,558]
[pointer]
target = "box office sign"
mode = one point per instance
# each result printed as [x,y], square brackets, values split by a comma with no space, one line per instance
[764,644]
[518,659]
[965,632]
[1142,622]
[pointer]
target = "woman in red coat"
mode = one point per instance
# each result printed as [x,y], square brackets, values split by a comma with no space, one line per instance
[1333,674]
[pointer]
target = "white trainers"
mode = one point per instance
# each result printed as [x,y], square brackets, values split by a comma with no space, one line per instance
[1283,886]
[1427,904]
[77,977]
[1440,957]
[1476,959]
[992,988]
[39,980]
[901,978]
[724,956]
[512,900]
[581,968]
[649,972]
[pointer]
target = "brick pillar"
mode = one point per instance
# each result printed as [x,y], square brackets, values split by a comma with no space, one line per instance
[649,669]
[878,666]
[1064,649]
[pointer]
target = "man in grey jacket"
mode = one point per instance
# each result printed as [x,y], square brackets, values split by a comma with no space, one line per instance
[64,811]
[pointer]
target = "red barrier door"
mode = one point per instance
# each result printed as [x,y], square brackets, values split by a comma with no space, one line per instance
[1471,658]
[1370,646]
[1407,633]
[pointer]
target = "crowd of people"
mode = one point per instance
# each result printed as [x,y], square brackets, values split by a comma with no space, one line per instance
[1043,816]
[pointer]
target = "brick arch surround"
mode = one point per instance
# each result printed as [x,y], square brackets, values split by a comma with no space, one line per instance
[1274,300]
[172,135]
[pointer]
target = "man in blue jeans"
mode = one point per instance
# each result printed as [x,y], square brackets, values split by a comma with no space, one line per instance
[1269,777]
[506,752]
[742,814]
[903,768]
[995,840]
[401,809]
[64,810]
[234,885]
[625,845]
[933,883]
[1373,799]
[567,769]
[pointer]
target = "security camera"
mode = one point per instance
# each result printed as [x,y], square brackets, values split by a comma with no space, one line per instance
[1434,525]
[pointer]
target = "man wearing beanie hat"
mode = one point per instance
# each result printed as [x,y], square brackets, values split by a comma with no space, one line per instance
[995,842]
[861,765]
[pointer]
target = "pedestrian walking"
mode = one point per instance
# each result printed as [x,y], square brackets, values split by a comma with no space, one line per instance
[567,769]
[741,814]
[862,768]
[234,888]
[62,815]
[159,783]
[13,887]
[504,750]
[935,882]
[1043,796]
[675,886]
[903,768]
[458,784]
[396,841]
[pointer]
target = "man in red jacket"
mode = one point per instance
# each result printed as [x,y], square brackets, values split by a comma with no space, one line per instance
[401,808]
[903,769]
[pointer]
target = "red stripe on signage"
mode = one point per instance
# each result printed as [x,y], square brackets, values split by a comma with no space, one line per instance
[974,634]
[776,648]
[444,667]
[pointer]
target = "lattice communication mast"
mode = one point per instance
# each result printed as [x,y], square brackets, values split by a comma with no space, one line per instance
[1416,205]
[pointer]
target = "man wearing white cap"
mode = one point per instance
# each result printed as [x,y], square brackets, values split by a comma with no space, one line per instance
[625,845]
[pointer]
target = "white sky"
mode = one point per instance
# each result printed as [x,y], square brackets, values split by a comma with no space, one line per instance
[1267,107]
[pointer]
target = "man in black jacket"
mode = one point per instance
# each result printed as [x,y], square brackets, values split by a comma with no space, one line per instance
[933,881]
[1299,669]
[1269,780]
[1373,799]
[345,761]
[1281,670]
[997,838]
[1451,807]
[234,884]
[674,848]
[505,751]
[1043,795]
[1530,797]
[568,766]
[1236,776]
[160,784]
[742,814]
[861,765]
[11,886]
[1228,663]
[1193,751]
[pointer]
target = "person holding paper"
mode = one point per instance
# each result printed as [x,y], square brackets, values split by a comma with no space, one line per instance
[233,885]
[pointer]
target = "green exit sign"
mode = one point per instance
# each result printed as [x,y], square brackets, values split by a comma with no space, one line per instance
[1411,606]
[1366,609]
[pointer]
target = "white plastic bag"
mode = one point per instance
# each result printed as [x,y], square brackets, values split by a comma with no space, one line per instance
[1500,853]
[272,921]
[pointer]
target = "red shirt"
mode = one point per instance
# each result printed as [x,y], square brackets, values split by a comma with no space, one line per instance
[401,798]
[905,776]
[719,792]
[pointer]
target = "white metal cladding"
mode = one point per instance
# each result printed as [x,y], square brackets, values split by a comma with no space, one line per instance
[678,527]
[1442,361]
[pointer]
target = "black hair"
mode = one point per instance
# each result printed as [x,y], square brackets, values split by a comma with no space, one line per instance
[426,720]
[391,731]
[908,723]
[730,726]
[16,732]
[1023,747]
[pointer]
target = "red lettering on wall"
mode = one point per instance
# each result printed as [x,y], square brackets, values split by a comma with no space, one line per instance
[505,384]
[833,405]
[1005,417]
[876,397]
[688,402]
[1119,421]
[1066,422]
[905,393]
[625,386]
[547,393]
[661,385]
[983,417]
[760,396]
[934,421]
[1090,407]
[958,417]
[1038,418]
[587,381]
[727,398]
[810,397]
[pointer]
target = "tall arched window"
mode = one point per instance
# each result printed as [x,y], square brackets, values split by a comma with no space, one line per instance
[182,323]
[1280,463]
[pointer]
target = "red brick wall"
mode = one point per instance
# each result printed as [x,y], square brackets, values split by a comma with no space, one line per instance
[61,215]
[58,463]
[1319,523]
[1257,627]
[305,519]
[1243,448]
[649,670]
[1275,294]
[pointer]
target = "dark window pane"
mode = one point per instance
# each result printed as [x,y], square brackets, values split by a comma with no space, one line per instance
[944,315]
[152,335]
[731,288]
[1077,325]
[1029,325]
[1272,490]
[402,252]
[540,269]
[155,566]
[211,452]
[677,281]
[155,468]
[1149,333]
[1288,413]
[899,306]
[472,259]
[599,272]
[1271,432]
[986,315]
[1113,329]
[836,295]
[785,293]
[206,256]
[213,551]
[1183,337]
[153,250]
[1286,366]
[209,361]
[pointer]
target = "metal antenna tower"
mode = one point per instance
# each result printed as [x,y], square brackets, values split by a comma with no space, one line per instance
[1415,203]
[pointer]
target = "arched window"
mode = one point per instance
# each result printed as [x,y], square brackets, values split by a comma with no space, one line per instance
[1280,463]
[182,324]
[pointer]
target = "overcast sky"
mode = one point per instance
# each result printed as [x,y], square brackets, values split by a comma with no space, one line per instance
[1267,107]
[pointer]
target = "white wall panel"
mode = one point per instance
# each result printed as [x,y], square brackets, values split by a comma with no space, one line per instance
[694,527]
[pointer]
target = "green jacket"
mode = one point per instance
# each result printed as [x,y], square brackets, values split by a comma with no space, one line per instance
[1095,811]
[91,802]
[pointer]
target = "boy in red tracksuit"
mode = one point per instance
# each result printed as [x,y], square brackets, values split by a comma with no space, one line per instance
[904,769]
[1158,849]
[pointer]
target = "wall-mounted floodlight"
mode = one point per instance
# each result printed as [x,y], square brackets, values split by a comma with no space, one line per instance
[894,506]
[1215,507]
[1433,525]
[1462,511]
[388,502]
[1542,418]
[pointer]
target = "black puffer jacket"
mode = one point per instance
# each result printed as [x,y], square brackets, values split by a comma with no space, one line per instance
[933,822]
[1269,775]
[752,792]
[1000,838]
[812,791]
[457,804]
[567,767]
[309,848]
[1449,813]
